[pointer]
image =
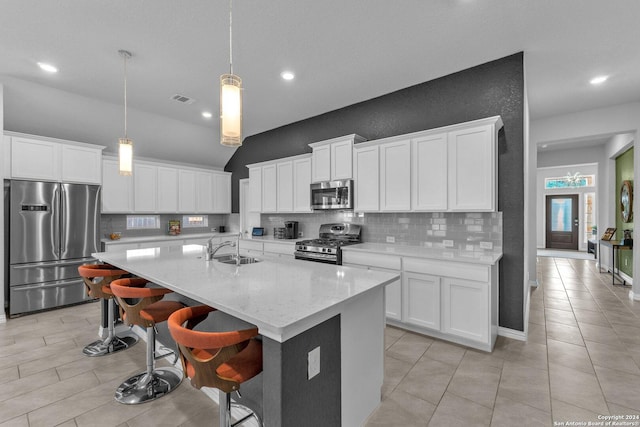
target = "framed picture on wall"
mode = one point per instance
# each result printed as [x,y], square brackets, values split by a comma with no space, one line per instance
[608,234]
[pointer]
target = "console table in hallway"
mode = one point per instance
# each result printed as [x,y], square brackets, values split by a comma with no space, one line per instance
[615,246]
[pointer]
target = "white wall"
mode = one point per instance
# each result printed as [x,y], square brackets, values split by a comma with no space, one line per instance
[3,318]
[618,119]
[41,110]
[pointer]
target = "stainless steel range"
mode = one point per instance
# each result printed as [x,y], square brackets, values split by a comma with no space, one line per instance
[328,247]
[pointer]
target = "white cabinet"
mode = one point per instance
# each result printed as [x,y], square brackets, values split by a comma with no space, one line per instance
[81,164]
[366,178]
[204,192]
[429,173]
[421,303]
[284,192]
[221,192]
[472,169]
[35,159]
[167,189]
[54,160]
[255,189]
[332,160]
[269,188]
[117,190]
[386,263]
[145,187]
[395,176]
[321,164]
[281,186]
[187,191]
[465,309]
[302,185]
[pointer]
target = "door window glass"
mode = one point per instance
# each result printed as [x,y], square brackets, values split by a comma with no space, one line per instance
[561,214]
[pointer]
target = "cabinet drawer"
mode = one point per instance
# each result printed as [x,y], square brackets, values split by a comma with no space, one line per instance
[459,270]
[374,260]
[279,248]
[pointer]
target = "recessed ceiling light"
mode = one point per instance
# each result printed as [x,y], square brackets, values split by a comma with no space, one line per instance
[207,115]
[287,75]
[598,80]
[47,67]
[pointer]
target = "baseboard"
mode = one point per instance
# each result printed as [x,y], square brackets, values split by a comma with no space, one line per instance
[3,318]
[534,283]
[633,296]
[512,333]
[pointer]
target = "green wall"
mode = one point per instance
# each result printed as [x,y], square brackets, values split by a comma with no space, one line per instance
[624,171]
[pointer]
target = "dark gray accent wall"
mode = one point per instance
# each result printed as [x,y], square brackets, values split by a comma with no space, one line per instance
[494,88]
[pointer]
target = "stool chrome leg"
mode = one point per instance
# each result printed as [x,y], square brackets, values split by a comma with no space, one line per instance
[151,384]
[225,405]
[112,343]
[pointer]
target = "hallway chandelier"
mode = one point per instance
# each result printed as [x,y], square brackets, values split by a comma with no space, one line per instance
[125,145]
[573,180]
[230,100]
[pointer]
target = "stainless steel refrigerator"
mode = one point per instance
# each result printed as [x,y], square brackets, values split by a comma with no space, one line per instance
[51,229]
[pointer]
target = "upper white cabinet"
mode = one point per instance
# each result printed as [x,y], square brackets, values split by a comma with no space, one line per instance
[186,191]
[284,172]
[302,184]
[332,159]
[446,169]
[255,189]
[167,189]
[366,174]
[162,188]
[429,172]
[395,176]
[221,192]
[145,187]
[472,168]
[46,159]
[269,188]
[281,186]
[117,190]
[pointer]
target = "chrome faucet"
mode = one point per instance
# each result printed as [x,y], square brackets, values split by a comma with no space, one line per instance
[211,249]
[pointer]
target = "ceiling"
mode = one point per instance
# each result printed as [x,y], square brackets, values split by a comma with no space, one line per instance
[342,52]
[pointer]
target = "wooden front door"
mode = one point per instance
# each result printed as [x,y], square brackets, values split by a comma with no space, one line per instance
[562,222]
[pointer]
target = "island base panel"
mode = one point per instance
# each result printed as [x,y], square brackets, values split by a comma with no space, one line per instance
[290,399]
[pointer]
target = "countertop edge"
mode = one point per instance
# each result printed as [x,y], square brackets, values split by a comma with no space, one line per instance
[426,253]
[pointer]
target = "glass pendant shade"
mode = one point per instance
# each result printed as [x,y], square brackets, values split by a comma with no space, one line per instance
[125,151]
[230,110]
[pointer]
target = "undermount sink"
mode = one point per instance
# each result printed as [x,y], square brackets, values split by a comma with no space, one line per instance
[231,259]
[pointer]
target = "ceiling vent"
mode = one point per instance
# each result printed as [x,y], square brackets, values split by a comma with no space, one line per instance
[183,99]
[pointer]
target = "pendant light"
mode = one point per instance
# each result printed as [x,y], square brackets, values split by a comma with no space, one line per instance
[125,145]
[230,100]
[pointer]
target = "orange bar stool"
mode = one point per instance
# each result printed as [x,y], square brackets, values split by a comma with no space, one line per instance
[223,360]
[146,310]
[97,278]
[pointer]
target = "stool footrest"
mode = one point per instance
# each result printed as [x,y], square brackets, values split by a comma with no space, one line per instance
[103,347]
[140,388]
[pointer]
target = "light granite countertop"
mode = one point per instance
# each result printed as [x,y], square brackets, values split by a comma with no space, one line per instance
[445,254]
[282,297]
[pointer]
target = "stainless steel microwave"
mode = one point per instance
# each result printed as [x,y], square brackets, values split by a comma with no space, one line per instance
[332,195]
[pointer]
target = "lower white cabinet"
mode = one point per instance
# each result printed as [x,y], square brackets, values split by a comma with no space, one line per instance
[451,300]
[421,303]
[465,309]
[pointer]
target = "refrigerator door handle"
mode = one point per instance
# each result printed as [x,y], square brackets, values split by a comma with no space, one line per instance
[63,222]
[77,261]
[56,220]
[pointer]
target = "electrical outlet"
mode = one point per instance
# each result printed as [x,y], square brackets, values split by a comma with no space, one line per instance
[313,363]
[300,234]
[214,229]
[486,245]
[391,239]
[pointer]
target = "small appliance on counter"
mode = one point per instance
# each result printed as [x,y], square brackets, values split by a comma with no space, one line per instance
[222,229]
[291,229]
[327,248]
[279,232]
[257,231]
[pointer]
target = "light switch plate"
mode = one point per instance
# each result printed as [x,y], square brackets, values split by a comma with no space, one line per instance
[313,365]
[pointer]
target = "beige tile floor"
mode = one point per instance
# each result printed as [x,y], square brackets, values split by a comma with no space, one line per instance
[582,361]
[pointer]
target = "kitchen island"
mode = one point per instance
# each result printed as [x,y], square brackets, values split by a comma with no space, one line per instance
[297,306]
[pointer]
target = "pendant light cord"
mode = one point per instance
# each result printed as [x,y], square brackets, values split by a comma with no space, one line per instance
[125,95]
[230,38]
